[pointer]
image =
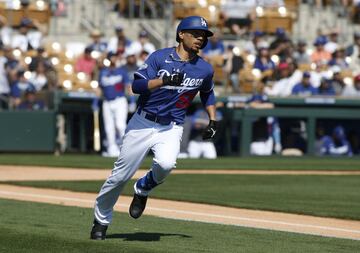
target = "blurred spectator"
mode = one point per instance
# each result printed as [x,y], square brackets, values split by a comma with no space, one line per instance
[300,55]
[86,63]
[332,44]
[263,61]
[5,32]
[142,57]
[198,147]
[131,65]
[337,80]
[336,144]
[352,90]
[38,77]
[238,15]
[18,88]
[214,47]
[114,84]
[326,88]
[120,42]
[287,79]
[354,52]
[40,56]
[97,44]
[338,58]
[142,44]
[234,63]
[30,101]
[320,55]
[281,45]
[251,46]
[29,36]
[4,83]
[304,88]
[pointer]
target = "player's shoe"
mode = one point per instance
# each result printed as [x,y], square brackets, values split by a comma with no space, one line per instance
[137,206]
[98,231]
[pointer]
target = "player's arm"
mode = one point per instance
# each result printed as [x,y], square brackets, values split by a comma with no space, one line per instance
[208,100]
[142,85]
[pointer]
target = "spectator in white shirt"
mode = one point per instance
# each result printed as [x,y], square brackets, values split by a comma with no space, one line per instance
[28,36]
[5,32]
[142,43]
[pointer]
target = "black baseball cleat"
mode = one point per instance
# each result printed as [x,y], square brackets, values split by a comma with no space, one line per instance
[98,231]
[137,206]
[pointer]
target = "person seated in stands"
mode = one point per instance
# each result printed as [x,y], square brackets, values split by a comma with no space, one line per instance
[97,44]
[281,45]
[5,32]
[319,54]
[86,63]
[337,80]
[326,88]
[238,15]
[354,89]
[263,61]
[18,88]
[38,77]
[29,35]
[197,147]
[233,64]
[142,43]
[332,43]
[142,57]
[304,88]
[300,55]
[251,46]
[338,59]
[214,47]
[287,76]
[120,42]
[336,144]
[353,51]
[30,102]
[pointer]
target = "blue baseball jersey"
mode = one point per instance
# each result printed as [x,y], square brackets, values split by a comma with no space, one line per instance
[302,90]
[171,101]
[113,82]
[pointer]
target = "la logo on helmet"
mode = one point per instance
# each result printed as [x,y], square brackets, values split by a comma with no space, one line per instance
[203,22]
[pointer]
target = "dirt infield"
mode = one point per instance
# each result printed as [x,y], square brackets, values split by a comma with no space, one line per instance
[173,209]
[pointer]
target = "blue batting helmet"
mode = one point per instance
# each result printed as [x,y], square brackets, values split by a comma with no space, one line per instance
[194,23]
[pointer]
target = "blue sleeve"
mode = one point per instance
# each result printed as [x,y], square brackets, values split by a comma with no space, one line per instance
[295,90]
[208,83]
[207,98]
[149,69]
[140,85]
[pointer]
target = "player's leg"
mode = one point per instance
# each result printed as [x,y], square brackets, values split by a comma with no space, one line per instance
[166,148]
[136,144]
[112,148]
[121,113]
[209,150]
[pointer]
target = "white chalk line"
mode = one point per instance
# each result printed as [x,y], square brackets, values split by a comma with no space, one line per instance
[327,228]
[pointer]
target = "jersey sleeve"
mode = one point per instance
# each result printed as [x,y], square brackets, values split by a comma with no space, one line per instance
[208,83]
[149,69]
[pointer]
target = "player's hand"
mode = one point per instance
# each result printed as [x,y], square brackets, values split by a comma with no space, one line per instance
[175,79]
[210,130]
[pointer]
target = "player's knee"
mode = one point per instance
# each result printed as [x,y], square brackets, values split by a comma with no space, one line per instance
[166,164]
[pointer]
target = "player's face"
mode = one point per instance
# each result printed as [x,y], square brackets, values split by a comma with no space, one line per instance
[193,39]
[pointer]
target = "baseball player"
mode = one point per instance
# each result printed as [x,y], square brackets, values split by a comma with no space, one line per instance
[167,83]
[114,84]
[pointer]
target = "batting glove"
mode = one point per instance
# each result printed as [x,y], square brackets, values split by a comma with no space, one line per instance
[175,79]
[210,130]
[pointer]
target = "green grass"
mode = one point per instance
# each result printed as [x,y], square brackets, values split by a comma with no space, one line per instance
[32,228]
[255,163]
[329,196]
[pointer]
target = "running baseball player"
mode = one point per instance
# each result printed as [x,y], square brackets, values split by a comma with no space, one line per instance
[167,83]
